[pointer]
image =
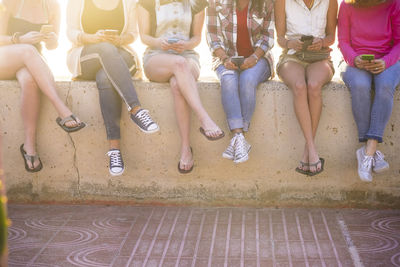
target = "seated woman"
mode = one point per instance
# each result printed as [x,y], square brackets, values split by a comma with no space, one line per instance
[24,26]
[242,61]
[369,38]
[101,31]
[305,29]
[172,29]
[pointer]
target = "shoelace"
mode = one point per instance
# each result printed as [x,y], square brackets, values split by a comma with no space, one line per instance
[115,158]
[368,162]
[241,145]
[144,117]
[379,155]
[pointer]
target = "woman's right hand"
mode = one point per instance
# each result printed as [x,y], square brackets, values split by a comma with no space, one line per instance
[98,37]
[229,65]
[31,38]
[360,63]
[164,45]
[295,44]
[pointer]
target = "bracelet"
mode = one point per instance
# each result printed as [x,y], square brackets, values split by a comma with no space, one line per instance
[286,44]
[255,56]
[15,38]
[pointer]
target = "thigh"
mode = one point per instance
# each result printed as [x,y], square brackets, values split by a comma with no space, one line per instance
[159,68]
[388,78]
[357,80]
[258,73]
[228,78]
[319,72]
[194,67]
[129,60]
[292,73]
[11,61]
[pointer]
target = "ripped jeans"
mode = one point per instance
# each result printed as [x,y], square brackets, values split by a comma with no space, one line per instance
[238,92]
[112,68]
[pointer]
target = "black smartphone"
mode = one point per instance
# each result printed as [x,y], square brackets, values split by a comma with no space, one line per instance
[307,40]
[237,60]
[368,57]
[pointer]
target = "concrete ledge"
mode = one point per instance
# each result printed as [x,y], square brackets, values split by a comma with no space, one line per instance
[75,165]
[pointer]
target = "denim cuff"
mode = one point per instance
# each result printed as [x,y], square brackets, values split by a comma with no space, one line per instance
[235,124]
[375,137]
[246,126]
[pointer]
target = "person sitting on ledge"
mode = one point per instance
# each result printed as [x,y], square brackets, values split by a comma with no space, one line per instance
[305,29]
[172,29]
[241,60]
[24,26]
[101,31]
[369,38]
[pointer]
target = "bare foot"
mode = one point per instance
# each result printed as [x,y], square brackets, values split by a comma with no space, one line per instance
[186,162]
[30,151]
[304,159]
[210,128]
[314,158]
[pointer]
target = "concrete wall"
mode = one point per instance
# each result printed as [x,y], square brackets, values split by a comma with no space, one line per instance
[75,165]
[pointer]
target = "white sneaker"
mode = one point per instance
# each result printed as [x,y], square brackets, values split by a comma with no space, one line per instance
[241,148]
[380,164]
[116,166]
[365,163]
[229,152]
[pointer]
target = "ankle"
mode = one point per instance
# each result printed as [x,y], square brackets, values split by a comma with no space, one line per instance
[134,110]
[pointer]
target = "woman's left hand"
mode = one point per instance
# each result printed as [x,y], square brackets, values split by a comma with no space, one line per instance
[376,66]
[50,38]
[179,46]
[114,39]
[316,45]
[248,63]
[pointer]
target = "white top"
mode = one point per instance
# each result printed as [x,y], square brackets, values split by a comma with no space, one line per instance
[173,21]
[302,21]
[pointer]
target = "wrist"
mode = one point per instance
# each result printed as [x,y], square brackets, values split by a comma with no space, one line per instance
[287,44]
[15,38]
[255,56]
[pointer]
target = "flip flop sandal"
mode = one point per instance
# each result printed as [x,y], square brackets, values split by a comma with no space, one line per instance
[28,158]
[301,170]
[322,161]
[222,134]
[183,171]
[61,123]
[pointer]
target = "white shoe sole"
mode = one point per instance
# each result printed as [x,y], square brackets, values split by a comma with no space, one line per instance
[116,174]
[226,156]
[244,159]
[358,153]
[149,132]
[381,169]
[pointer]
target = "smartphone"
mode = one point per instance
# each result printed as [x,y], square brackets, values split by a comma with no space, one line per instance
[172,40]
[46,29]
[111,32]
[307,41]
[368,57]
[237,60]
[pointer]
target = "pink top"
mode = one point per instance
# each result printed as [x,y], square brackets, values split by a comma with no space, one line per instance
[372,30]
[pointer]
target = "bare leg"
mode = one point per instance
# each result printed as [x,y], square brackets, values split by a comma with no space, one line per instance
[160,68]
[30,105]
[182,112]
[371,147]
[26,56]
[114,144]
[293,75]
[318,74]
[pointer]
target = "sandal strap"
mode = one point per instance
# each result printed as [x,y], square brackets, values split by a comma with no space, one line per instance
[315,164]
[31,158]
[68,119]
[304,163]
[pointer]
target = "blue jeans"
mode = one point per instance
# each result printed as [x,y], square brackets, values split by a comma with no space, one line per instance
[238,92]
[112,68]
[371,113]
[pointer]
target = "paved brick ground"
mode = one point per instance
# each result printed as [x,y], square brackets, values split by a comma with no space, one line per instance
[173,236]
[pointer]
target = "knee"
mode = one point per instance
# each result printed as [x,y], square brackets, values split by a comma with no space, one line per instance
[300,89]
[107,48]
[102,81]
[26,80]
[180,64]
[247,83]
[314,89]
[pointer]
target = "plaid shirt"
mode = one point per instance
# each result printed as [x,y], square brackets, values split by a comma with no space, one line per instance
[222,28]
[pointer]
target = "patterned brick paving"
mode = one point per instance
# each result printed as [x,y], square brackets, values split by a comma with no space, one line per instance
[172,236]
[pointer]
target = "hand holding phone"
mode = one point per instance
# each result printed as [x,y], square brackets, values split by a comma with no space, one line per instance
[237,60]
[307,41]
[109,32]
[173,40]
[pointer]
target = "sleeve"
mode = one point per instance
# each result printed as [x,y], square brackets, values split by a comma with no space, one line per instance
[344,25]
[198,6]
[394,54]
[73,20]
[149,5]
[266,41]
[214,32]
